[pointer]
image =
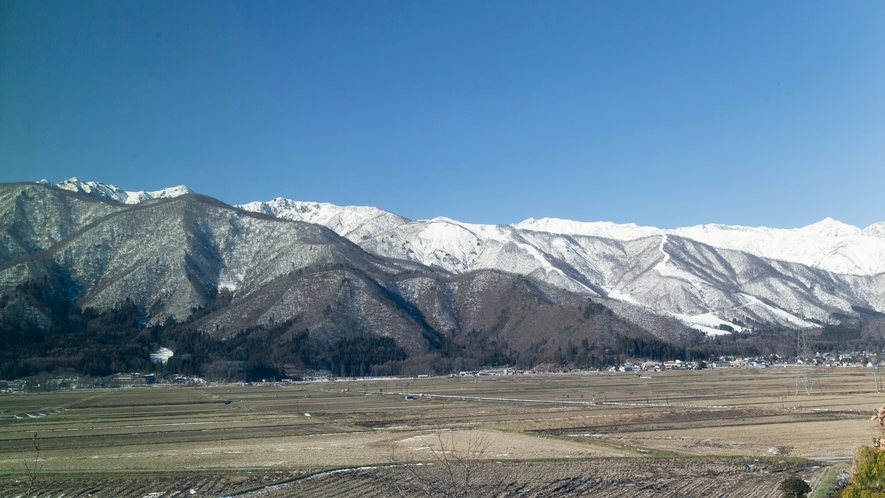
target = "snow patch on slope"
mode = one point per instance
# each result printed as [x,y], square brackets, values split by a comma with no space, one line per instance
[669,270]
[620,296]
[707,323]
[781,315]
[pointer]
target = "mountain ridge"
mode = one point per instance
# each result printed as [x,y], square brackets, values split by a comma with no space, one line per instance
[108,192]
[836,246]
[190,272]
[566,254]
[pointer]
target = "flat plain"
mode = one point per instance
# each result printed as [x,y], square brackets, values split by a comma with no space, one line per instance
[676,433]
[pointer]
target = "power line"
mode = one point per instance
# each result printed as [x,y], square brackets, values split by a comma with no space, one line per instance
[806,379]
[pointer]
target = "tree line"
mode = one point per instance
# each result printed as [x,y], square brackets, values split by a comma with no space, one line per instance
[86,342]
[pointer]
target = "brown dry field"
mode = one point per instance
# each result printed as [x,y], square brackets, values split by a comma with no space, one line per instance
[680,427]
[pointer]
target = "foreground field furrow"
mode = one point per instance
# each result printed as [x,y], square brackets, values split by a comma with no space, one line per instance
[805,439]
[683,419]
[605,478]
[333,485]
[138,485]
[100,419]
[54,441]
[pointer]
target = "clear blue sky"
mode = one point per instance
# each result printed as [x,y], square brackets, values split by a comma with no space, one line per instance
[653,112]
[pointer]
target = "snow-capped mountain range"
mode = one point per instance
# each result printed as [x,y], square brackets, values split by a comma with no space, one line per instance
[705,276]
[828,244]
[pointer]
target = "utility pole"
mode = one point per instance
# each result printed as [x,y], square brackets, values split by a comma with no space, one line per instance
[805,378]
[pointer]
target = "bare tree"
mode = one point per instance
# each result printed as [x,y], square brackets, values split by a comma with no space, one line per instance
[32,471]
[451,470]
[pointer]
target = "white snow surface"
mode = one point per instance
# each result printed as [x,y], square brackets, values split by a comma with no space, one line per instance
[108,192]
[707,323]
[604,229]
[875,230]
[162,355]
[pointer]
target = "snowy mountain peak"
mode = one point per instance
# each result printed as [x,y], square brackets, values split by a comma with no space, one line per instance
[605,229]
[875,230]
[94,189]
[355,223]
[444,219]
[108,192]
[165,193]
[828,227]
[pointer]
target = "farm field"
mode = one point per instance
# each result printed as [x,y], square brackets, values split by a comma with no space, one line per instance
[607,478]
[623,434]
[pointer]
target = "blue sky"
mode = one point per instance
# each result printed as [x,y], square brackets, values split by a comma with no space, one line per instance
[657,113]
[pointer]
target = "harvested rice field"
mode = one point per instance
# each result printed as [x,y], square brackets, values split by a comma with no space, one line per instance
[594,434]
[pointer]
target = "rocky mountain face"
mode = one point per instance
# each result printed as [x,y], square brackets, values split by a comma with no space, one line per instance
[223,270]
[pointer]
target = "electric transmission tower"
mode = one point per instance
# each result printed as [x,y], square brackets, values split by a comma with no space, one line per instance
[806,377]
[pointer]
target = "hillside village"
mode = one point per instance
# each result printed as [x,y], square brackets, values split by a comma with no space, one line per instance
[852,359]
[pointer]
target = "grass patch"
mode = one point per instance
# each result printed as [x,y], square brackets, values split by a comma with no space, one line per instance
[828,482]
